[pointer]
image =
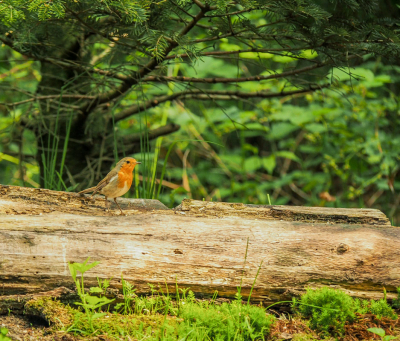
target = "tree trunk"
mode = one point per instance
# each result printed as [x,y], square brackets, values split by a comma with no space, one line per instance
[199,245]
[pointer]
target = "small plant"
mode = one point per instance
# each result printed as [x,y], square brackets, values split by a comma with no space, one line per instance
[328,309]
[396,301]
[3,334]
[129,294]
[382,334]
[228,321]
[382,309]
[89,303]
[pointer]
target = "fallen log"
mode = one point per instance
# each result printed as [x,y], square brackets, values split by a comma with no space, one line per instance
[199,245]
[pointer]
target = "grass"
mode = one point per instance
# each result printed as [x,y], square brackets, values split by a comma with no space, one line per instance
[157,317]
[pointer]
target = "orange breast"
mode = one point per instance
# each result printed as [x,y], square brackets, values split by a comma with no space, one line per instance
[124,178]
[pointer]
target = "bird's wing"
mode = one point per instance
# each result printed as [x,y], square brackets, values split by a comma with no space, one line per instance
[103,183]
[88,190]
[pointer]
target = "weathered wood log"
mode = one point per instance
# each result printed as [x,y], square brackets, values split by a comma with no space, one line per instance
[288,213]
[33,201]
[198,245]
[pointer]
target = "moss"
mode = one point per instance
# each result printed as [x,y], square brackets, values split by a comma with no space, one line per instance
[329,309]
[117,326]
[54,312]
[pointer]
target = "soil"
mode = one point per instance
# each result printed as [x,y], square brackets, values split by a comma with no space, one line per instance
[32,328]
[358,329]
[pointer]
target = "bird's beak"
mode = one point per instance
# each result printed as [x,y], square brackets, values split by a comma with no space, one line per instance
[137,162]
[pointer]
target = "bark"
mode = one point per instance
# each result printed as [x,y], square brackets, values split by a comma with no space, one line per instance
[200,245]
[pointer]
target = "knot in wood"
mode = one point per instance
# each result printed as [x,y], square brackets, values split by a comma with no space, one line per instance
[342,248]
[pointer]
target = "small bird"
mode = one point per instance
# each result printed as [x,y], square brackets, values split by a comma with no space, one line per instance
[117,182]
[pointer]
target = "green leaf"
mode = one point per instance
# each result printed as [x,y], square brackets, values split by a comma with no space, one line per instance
[72,270]
[252,163]
[96,290]
[281,129]
[83,267]
[256,55]
[119,305]
[93,300]
[383,79]
[269,163]
[3,333]
[377,331]
[288,155]
[98,315]
[283,59]
[309,54]
[316,128]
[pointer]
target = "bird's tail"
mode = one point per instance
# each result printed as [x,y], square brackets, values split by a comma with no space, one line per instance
[88,190]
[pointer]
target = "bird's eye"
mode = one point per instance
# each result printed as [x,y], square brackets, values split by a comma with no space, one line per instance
[128,162]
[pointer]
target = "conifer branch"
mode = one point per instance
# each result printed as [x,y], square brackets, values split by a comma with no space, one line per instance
[222,53]
[235,80]
[211,95]
[150,66]
[232,13]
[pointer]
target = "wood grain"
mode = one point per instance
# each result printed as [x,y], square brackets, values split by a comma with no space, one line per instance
[195,249]
[289,213]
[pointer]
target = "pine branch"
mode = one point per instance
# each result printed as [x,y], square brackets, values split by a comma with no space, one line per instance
[150,66]
[232,13]
[221,53]
[235,80]
[67,64]
[210,95]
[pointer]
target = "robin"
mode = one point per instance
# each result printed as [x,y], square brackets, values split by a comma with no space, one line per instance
[117,182]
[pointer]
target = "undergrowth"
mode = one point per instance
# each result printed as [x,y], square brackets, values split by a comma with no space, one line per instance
[158,317]
[185,318]
[329,309]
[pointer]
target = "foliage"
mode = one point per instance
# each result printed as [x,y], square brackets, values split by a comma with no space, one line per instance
[381,333]
[89,302]
[396,302]
[381,308]
[3,334]
[338,144]
[294,99]
[329,309]
[157,317]
[227,321]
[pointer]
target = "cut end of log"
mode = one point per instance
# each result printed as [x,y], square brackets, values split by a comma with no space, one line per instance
[302,214]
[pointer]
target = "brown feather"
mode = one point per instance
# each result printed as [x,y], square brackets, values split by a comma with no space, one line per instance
[91,189]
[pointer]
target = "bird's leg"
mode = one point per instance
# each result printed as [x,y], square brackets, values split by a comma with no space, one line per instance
[106,204]
[122,213]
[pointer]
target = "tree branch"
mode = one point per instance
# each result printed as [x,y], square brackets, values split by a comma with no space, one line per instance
[150,66]
[64,63]
[233,13]
[221,53]
[234,80]
[210,95]
[152,134]
[35,98]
